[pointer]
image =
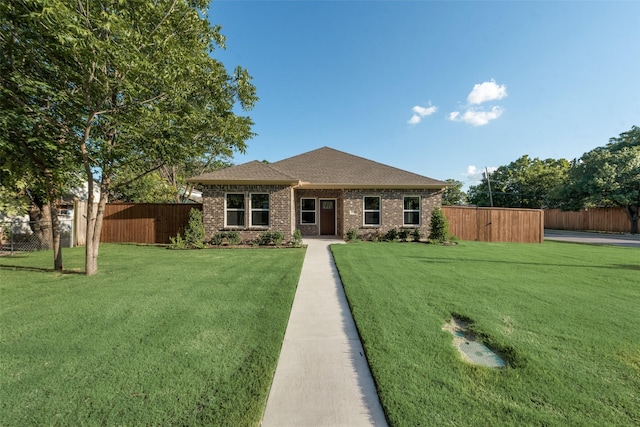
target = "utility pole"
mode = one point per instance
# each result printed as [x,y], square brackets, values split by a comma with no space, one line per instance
[486,173]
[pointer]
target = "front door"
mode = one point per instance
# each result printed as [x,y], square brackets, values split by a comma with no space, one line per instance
[327,217]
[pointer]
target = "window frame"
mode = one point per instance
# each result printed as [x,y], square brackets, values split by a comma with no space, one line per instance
[252,210]
[315,211]
[365,211]
[228,209]
[405,211]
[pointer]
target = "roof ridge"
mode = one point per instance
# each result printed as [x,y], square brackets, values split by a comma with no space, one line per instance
[302,154]
[355,157]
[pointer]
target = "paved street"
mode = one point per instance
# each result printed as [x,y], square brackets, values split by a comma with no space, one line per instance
[631,240]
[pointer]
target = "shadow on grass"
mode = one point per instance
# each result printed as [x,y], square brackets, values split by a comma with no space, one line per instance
[542,264]
[37,269]
[628,266]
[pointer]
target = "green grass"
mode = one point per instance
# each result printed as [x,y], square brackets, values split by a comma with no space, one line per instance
[157,337]
[565,316]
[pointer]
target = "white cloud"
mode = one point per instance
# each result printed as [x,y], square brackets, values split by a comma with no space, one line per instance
[482,92]
[420,112]
[475,175]
[475,117]
[486,91]
[415,119]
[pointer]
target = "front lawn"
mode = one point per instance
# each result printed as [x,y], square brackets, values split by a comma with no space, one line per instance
[157,337]
[565,316]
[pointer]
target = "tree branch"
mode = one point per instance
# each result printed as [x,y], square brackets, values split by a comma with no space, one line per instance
[124,184]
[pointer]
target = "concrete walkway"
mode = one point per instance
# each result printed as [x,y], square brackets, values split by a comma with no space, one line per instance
[322,378]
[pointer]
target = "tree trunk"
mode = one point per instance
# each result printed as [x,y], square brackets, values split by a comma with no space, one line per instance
[55,233]
[91,258]
[40,224]
[632,213]
[95,216]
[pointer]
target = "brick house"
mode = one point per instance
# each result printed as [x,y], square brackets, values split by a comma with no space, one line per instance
[321,192]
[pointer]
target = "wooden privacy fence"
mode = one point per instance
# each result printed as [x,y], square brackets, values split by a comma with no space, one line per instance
[156,223]
[137,222]
[495,224]
[613,220]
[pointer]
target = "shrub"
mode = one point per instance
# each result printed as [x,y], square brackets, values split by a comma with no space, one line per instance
[352,234]
[391,235]
[177,242]
[194,233]
[297,238]
[417,235]
[439,226]
[233,237]
[271,238]
[218,238]
[403,234]
[377,236]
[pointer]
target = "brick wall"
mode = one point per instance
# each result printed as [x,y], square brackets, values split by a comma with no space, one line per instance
[280,209]
[284,207]
[391,209]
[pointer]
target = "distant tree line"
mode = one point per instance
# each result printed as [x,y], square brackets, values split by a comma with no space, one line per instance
[607,176]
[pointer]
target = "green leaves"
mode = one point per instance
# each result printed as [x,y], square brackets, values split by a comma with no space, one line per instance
[608,176]
[110,86]
[524,183]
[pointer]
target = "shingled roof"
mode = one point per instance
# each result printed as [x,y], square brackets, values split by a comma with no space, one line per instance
[246,173]
[321,168]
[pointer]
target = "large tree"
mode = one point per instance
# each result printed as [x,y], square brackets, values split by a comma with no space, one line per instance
[608,176]
[135,81]
[453,195]
[37,157]
[524,183]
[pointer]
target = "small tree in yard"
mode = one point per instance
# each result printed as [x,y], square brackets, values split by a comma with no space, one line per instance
[194,234]
[439,230]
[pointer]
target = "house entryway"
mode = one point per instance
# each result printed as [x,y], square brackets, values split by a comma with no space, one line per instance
[327,217]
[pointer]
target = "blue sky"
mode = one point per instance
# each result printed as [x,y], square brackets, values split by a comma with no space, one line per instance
[439,88]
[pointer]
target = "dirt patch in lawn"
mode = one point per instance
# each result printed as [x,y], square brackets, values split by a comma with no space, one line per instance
[471,348]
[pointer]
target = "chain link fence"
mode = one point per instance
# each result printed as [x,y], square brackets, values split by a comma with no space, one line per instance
[19,235]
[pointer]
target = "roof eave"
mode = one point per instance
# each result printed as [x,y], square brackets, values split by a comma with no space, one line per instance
[314,186]
[243,181]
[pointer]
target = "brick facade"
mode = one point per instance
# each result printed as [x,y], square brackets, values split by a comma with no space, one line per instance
[285,209]
[280,209]
[391,210]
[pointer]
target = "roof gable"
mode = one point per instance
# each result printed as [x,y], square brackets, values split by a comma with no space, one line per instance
[327,167]
[322,168]
[246,173]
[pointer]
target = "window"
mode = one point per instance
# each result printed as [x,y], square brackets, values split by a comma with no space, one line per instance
[411,210]
[307,211]
[372,211]
[259,210]
[235,210]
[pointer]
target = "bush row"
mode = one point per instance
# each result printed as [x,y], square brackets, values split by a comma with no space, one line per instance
[439,232]
[195,237]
